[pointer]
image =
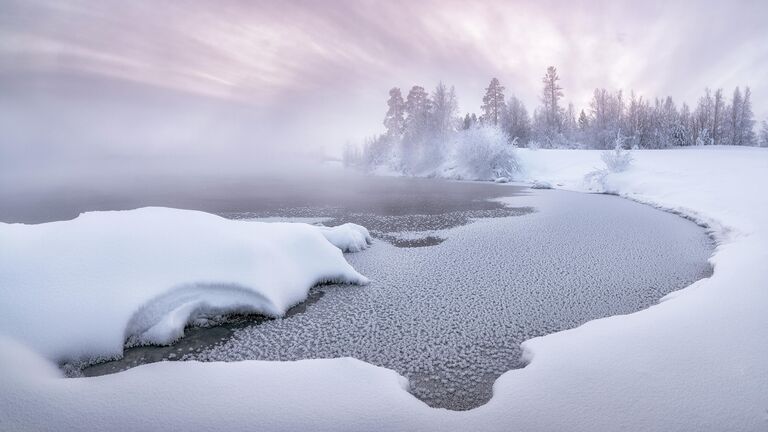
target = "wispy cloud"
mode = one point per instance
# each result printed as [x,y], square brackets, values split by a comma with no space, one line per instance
[333,61]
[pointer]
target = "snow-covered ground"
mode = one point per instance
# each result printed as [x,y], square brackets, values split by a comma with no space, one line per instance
[76,290]
[697,361]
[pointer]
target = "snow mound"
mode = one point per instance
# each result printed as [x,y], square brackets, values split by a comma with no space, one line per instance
[541,184]
[78,289]
[348,237]
[162,320]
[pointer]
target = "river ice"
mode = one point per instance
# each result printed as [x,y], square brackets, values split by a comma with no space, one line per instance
[450,316]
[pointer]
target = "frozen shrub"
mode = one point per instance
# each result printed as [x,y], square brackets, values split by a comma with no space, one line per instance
[484,153]
[618,159]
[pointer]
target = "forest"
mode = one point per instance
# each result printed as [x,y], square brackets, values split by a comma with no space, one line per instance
[426,135]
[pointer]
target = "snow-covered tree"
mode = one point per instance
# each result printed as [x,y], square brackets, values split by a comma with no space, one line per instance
[637,121]
[702,130]
[741,119]
[748,136]
[424,130]
[583,122]
[441,126]
[417,127]
[417,107]
[665,125]
[607,114]
[686,125]
[550,97]
[380,151]
[733,129]
[718,117]
[517,123]
[484,153]
[394,120]
[764,134]
[493,103]
[569,125]
[443,113]
[469,121]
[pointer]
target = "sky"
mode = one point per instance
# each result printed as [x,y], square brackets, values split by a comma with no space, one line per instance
[172,78]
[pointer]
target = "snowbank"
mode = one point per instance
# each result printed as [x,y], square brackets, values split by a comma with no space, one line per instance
[76,290]
[697,361]
[311,395]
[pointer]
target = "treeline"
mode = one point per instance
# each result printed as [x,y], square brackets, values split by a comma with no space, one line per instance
[422,128]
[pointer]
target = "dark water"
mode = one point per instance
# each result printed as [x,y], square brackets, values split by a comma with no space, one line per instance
[458,281]
[195,340]
[328,194]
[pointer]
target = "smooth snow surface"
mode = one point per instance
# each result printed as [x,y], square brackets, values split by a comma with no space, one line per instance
[76,290]
[696,361]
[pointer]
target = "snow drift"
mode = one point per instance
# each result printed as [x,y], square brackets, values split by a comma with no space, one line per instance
[78,289]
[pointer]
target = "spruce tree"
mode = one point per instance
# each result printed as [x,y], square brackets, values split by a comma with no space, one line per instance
[493,103]
[394,120]
[550,97]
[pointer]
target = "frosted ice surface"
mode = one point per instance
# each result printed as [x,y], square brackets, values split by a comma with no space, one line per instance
[451,316]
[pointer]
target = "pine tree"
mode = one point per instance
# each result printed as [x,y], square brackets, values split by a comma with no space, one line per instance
[670,133]
[550,97]
[583,121]
[417,106]
[394,120]
[493,103]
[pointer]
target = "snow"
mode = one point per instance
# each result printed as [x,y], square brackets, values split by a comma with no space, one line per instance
[540,184]
[696,361]
[142,275]
[478,153]
[279,396]
[348,237]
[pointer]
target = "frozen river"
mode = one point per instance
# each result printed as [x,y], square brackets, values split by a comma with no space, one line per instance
[459,279]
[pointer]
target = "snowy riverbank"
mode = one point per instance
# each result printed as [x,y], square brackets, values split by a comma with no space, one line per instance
[77,290]
[697,361]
